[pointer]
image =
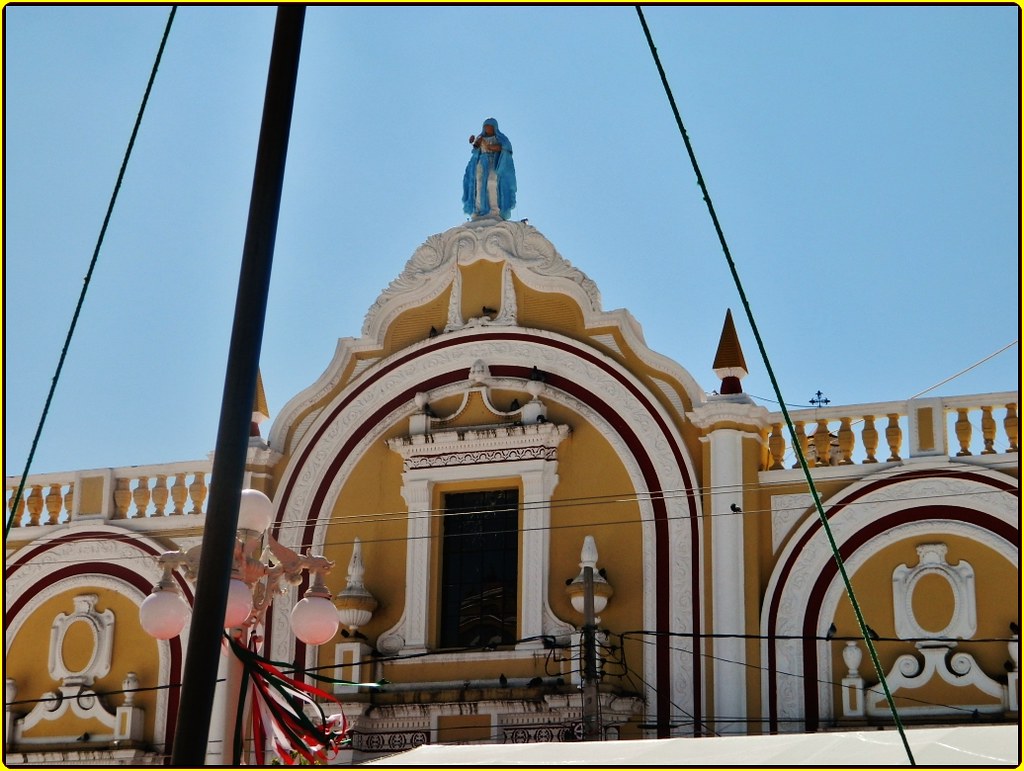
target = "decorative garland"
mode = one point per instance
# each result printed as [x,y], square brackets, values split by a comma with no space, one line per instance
[279,712]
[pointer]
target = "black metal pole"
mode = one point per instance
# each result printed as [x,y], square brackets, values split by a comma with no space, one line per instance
[591,713]
[199,681]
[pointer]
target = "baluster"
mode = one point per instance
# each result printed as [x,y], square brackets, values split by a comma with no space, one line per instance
[179,494]
[777,447]
[16,518]
[69,500]
[198,492]
[160,493]
[988,430]
[35,504]
[964,429]
[869,438]
[801,436]
[141,497]
[894,436]
[822,446]
[122,498]
[1011,426]
[846,442]
[54,500]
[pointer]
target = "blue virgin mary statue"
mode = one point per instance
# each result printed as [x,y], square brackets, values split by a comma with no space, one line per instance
[489,185]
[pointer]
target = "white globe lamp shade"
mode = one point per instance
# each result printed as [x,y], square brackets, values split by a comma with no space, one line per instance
[255,511]
[579,602]
[314,620]
[239,604]
[164,614]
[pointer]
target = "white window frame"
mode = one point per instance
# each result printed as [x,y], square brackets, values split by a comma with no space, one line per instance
[467,456]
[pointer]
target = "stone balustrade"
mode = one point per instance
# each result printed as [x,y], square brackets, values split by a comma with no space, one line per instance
[957,426]
[133,492]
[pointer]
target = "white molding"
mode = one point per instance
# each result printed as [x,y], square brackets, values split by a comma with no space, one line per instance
[529,256]
[733,409]
[608,340]
[900,494]
[334,430]
[100,626]
[83,702]
[671,394]
[434,265]
[960,577]
[477,446]
[937,428]
[728,596]
[787,510]
[836,592]
[539,479]
[125,590]
[961,671]
[118,548]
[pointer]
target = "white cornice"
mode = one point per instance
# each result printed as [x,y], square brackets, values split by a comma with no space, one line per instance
[468,446]
[728,410]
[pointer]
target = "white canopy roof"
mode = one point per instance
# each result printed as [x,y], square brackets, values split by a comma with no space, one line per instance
[952,746]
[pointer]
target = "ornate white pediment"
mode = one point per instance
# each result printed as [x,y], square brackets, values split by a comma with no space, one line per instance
[483,445]
[434,267]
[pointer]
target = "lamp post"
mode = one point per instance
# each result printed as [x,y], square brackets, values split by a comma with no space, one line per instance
[589,593]
[261,568]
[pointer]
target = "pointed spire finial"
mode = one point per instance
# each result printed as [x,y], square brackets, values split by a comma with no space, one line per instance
[260,411]
[729,362]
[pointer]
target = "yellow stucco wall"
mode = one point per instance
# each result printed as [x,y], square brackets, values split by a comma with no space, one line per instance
[594,496]
[133,651]
[998,602]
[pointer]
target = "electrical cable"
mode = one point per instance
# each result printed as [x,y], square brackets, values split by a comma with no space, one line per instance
[88,274]
[943,382]
[759,668]
[570,502]
[778,391]
[963,371]
[639,636]
[190,532]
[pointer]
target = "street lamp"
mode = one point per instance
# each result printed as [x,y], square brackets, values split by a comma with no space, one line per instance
[255,578]
[601,590]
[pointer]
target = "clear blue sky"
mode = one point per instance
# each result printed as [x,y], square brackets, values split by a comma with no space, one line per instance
[863,162]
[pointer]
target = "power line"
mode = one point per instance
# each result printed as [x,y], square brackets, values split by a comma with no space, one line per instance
[775,385]
[964,370]
[92,266]
[371,519]
[952,377]
[638,635]
[804,676]
[857,471]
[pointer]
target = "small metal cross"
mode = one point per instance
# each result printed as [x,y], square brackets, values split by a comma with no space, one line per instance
[820,400]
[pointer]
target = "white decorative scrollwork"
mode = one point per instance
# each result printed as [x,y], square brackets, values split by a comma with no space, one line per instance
[434,266]
[552,353]
[959,670]
[805,562]
[960,578]
[100,628]
[786,512]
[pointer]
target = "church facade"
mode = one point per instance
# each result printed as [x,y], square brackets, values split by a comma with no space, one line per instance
[492,432]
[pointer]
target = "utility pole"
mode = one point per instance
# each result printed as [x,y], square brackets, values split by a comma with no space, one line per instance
[206,634]
[591,704]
